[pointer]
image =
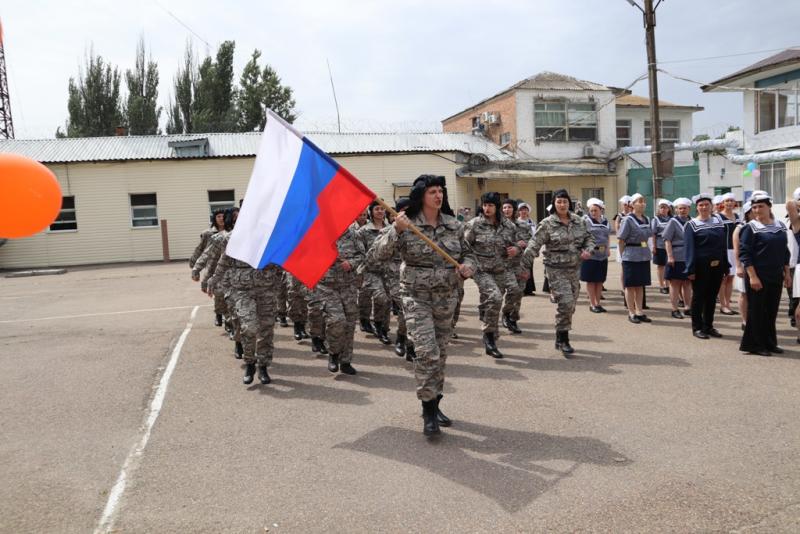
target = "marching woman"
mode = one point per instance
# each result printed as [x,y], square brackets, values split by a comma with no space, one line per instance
[374,299]
[524,212]
[217,225]
[731,220]
[428,285]
[633,234]
[658,224]
[764,254]
[706,264]
[595,269]
[675,272]
[567,241]
[738,281]
[511,306]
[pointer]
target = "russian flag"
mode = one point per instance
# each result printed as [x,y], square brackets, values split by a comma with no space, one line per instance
[298,203]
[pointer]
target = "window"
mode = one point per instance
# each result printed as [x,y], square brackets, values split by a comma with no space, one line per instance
[144,210]
[777,109]
[66,220]
[670,132]
[221,200]
[565,121]
[773,179]
[505,138]
[623,133]
[589,192]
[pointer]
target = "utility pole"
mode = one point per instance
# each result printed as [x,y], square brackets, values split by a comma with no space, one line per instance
[6,124]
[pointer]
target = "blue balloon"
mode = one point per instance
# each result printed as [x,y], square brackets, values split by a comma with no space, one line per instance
[751,166]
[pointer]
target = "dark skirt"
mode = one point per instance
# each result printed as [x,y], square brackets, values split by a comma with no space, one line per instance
[635,273]
[676,272]
[660,257]
[594,271]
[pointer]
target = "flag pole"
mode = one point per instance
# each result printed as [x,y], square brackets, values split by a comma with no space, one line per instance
[419,234]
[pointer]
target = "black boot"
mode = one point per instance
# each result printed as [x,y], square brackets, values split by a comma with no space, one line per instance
[440,417]
[411,354]
[489,345]
[430,425]
[382,333]
[512,326]
[318,345]
[218,319]
[563,343]
[298,331]
[263,375]
[238,350]
[400,345]
[347,369]
[366,326]
[282,320]
[333,363]
[249,372]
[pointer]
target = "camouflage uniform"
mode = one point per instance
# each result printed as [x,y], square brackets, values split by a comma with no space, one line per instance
[252,293]
[392,284]
[220,285]
[297,297]
[208,260]
[428,287]
[283,294]
[316,316]
[373,296]
[336,294]
[562,261]
[201,247]
[494,276]
[512,304]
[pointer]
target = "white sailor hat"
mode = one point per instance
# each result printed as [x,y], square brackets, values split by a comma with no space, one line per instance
[760,196]
[746,207]
[664,202]
[796,195]
[682,201]
[759,192]
[595,202]
[728,196]
[625,199]
[717,200]
[635,197]
[524,205]
[703,196]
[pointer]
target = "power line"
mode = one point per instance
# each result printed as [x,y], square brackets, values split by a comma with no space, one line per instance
[688,60]
[718,86]
[179,21]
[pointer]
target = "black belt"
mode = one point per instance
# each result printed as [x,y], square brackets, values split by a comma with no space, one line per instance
[634,245]
[428,266]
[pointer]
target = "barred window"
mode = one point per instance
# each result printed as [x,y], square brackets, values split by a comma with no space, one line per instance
[144,210]
[565,121]
[66,220]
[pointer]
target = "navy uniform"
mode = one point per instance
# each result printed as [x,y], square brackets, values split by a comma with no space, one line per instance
[635,232]
[707,260]
[595,269]
[658,224]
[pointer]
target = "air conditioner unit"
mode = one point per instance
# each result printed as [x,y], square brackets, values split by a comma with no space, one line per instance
[485,116]
[490,118]
[588,151]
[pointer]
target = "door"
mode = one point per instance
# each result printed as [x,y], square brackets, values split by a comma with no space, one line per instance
[543,199]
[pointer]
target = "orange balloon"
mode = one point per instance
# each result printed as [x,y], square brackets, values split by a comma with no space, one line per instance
[30,197]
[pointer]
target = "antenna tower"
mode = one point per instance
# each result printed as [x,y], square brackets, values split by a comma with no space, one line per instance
[6,124]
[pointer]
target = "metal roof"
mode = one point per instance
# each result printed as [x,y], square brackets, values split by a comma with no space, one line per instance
[789,56]
[636,101]
[227,145]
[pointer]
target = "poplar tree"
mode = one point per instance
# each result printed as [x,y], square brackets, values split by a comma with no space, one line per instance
[94,100]
[142,111]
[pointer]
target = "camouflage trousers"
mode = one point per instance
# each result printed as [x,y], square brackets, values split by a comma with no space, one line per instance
[392,284]
[230,305]
[429,319]
[373,298]
[457,312]
[283,294]
[511,303]
[315,315]
[340,309]
[297,295]
[492,287]
[219,303]
[255,309]
[564,286]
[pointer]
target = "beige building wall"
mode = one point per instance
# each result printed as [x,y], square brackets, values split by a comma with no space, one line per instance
[103,212]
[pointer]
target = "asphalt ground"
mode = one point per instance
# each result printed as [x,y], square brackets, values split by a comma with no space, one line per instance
[646,430]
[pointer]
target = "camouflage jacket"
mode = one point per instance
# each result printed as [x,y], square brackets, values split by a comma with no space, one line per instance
[524,233]
[210,256]
[201,247]
[368,234]
[489,242]
[564,242]
[237,274]
[423,269]
[351,250]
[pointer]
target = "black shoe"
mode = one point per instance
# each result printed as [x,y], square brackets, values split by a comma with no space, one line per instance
[562,343]
[440,417]
[645,319]
[382,333]
[347,369]
[411,354]
[366,326]
[318,345]
[687,312]
[676,314]
[249,372]
[218,319]
[300,331]
[776,350]
[634,319]
[595,309]
[602,309]
[333,363]
[400,345]
[489,345]
[664,291]
[513,327]
[263,375]
[681,304]
[699,334]
[760,352]
[282,320]
[713,332]
[430,424]
[238,350]
[454,334]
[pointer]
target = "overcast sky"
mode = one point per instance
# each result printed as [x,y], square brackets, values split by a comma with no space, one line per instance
[396,65]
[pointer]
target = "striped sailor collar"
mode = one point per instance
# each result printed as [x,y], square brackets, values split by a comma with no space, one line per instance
[775,226]
[711,221]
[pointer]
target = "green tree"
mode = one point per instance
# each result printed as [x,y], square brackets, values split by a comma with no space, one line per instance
[214,105]
[142,112]
[94,100]
[261,89]
[180,113]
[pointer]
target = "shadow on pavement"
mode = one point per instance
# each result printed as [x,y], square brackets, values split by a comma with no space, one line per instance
[511,467]
[287,389]
[589,361]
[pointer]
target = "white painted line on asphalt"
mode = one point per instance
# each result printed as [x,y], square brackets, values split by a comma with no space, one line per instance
[132,461]
[82,315]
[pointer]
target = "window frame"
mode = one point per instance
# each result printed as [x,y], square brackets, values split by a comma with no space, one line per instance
[768,175]
[629,127]
[220,204]
[775,94]
[143,206]
[73,210]
[592,192]
[561,133]
[648,139]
